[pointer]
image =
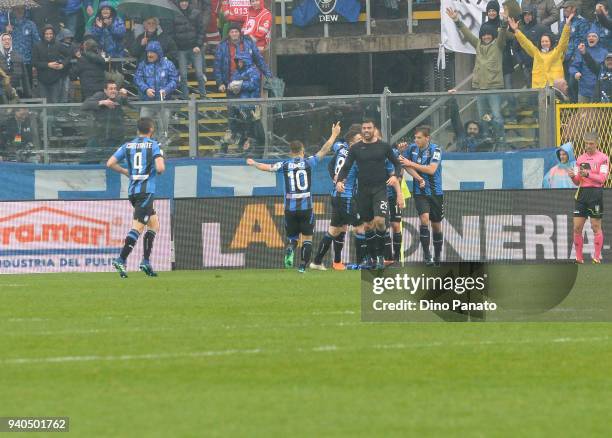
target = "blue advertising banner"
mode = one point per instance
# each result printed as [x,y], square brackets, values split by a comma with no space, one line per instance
[205,178]
[326,11]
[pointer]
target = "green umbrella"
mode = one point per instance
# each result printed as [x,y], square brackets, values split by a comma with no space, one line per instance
[146,9]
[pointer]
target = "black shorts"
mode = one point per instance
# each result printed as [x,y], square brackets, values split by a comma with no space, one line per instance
[432,204]
[395,212]
[372,202]
[344,212]
[299,222]
[143,206]
[589,202]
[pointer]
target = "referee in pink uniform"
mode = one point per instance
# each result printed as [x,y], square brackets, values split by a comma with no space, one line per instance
[590,175]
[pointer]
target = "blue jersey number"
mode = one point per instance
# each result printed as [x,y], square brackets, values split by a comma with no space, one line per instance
[339,164]
[137,164]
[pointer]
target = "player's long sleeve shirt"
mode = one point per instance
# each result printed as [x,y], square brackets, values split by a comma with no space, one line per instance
[371,161]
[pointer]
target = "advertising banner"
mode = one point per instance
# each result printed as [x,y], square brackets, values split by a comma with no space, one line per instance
[487,226]
[206,178]
[74,236]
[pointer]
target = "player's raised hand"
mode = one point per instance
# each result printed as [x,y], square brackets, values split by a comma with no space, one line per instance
[336,129]
[250,161]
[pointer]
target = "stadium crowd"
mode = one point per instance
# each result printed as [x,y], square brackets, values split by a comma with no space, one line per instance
[44,49]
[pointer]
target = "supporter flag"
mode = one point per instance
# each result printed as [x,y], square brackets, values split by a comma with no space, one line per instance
[325,11]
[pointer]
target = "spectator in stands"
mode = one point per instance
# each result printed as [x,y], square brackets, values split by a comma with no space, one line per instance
[66,39]
[190,42]
[557,177]
[603,25]
[25,36]
[469,136]
[109,30]
[581,72]
[213,37]
[244,121]
[234,14]
[234,44]
[52,61]
[50,12]
[487,70]
[109,120]
[547,59]
[90,68]
[546,11]
[8,95]
[153,32]
[12,64]
[258,25]
[603,86]
[72,12]
[561,90]
[156,77]
[579,28]
[18,136]
[533,31]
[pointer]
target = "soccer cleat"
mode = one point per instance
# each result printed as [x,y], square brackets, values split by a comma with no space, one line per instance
[338,266]
[579,261]
[289,254]
[148,269]
[120,267]
[316,267]
[380,262]
[436,262]
[389,262]
[596,261]
[366,264]
[429,261]
[302,268]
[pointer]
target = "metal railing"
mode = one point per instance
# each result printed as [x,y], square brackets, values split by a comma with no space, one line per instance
[264,127]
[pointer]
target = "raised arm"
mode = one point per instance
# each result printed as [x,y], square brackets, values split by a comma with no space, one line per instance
[525,42]
[336,128]
[469,36]
[260,166]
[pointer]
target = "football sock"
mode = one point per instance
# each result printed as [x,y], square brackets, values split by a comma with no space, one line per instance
[306,252]
[361,246]
[292,245]
[130,242]
[324,245]
[598,241]
[424,238]
[397,246]
[338,246]
[438,240]
[388,244]
[381,242]
[372,243]
[578,242]
[148,239]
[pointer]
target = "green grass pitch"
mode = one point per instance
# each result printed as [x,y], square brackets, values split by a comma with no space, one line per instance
[273,353]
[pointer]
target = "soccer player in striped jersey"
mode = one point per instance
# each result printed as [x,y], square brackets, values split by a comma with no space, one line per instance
[344,210]
[145,161]
[426,159]
[299,216]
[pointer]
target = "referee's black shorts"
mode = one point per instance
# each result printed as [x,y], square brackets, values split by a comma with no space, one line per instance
[143,206]
[344,212]
[589,202]
[372,202]
[432,204]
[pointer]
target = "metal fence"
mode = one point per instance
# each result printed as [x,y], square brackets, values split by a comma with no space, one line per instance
[65,133]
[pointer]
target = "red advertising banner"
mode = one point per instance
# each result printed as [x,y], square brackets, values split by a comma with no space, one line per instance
[74,236]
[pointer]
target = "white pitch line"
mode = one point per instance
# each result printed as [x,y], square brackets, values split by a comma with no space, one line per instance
[253,351]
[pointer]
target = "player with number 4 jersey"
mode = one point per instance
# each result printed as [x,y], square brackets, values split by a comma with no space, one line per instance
[297,175]
[144,159]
